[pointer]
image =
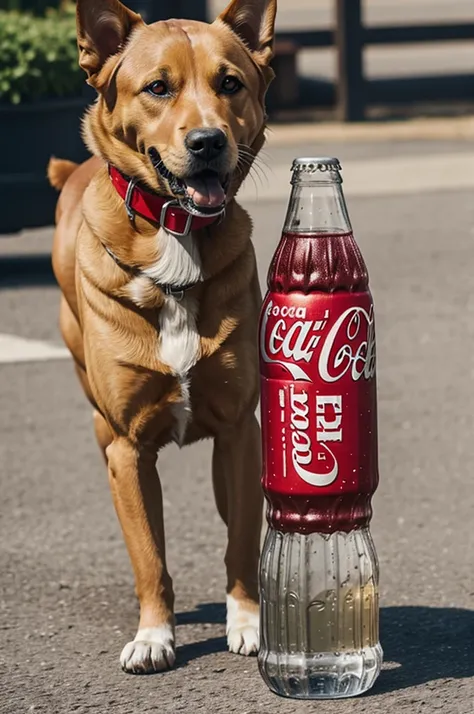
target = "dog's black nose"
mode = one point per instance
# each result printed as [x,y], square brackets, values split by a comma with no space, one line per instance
[206,144]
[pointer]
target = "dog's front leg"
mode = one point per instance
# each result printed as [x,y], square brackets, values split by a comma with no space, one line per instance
[138,501]
[236,474]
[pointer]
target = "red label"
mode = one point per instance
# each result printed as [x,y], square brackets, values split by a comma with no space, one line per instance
[318,401]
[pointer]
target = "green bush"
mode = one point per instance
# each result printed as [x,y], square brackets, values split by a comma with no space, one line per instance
[38,57]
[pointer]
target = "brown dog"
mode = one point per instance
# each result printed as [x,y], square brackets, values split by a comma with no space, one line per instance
[160,295]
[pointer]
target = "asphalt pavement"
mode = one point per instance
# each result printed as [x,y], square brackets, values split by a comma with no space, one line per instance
[67,604]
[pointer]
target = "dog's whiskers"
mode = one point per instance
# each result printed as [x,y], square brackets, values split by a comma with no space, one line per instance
[245,171]
[247,155]
[249,168]
[245,175]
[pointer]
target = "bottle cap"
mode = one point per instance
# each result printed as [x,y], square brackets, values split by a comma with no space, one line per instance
[320,163]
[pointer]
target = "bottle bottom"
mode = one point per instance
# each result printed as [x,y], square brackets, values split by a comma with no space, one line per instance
[325,675]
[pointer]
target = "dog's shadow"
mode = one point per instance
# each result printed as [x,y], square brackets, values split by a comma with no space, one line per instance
[420,644]
[211,613]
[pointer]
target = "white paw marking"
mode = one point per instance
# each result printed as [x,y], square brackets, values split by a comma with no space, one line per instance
[152,650]
[242,628]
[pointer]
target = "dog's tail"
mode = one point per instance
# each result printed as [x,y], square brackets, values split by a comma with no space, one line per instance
[59,171]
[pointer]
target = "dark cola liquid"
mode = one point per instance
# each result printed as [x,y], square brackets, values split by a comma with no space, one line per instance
[312,264]
[325,262]
[319,570]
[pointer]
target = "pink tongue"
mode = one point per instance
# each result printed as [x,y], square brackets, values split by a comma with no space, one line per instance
[205,191]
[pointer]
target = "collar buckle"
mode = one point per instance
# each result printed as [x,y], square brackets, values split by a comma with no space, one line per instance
[173,203]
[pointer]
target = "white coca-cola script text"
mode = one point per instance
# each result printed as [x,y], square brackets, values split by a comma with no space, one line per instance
[348,346]
[327,430]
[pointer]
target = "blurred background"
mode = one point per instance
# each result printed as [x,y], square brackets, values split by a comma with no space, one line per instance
[388,87]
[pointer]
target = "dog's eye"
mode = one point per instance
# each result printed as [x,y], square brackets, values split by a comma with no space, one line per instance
[157,89]
[231,85]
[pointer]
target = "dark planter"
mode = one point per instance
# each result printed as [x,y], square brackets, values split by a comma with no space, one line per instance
[29,135]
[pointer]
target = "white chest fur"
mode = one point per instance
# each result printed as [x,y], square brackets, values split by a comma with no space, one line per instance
[179,345]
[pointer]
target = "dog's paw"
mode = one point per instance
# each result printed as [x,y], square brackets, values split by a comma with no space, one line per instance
[242,628]
[151,651]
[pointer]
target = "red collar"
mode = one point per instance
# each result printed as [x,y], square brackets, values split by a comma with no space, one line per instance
[165,211]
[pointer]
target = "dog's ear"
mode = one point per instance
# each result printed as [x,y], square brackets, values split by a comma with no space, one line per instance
[254,22]
[103,26]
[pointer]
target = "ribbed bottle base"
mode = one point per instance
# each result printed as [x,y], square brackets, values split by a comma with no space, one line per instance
[326,675]
[319,614]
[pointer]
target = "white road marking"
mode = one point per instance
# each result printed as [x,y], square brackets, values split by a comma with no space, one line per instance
[14,349]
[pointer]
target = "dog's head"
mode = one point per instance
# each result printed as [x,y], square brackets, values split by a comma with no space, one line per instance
[181,103]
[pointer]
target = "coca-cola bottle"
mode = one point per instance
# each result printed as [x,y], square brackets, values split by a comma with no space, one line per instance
[319,570]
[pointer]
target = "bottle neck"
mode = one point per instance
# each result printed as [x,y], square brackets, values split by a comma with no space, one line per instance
[317,207]
[317,251]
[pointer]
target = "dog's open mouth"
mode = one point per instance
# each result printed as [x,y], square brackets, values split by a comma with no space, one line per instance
[205,189]
[202,193]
